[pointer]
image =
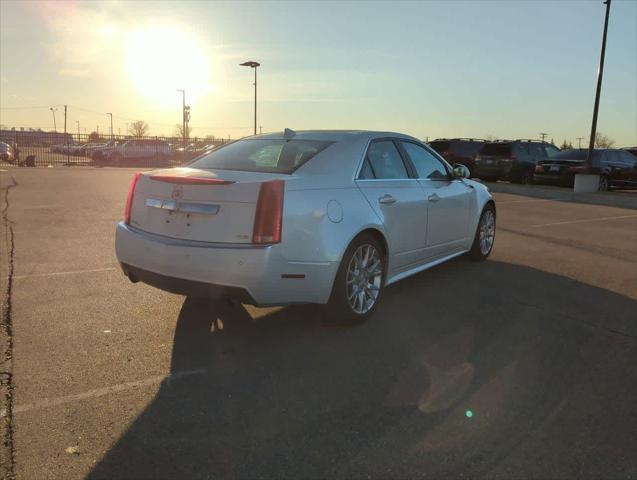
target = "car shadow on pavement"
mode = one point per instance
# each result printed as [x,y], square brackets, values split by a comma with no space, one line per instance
[464,370]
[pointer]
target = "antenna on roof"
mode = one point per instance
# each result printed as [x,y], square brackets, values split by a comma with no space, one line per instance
[288,133]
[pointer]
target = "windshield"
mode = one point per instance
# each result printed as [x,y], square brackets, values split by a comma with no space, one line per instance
[262,155]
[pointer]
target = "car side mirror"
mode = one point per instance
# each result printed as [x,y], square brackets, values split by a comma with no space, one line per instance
[460,171]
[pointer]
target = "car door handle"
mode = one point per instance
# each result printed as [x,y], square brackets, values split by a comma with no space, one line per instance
[387,200]
[433,197]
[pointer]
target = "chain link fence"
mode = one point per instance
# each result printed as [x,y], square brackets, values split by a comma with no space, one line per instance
[44,149]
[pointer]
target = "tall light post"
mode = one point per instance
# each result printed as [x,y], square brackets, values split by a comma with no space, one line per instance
[53,110]
[579,142]
[591,182]
[600,74]
[111,115]
[183,116]
[543,135]
[78,130]
[254,65]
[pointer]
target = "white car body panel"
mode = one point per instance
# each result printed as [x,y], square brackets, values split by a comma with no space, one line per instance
[325,207]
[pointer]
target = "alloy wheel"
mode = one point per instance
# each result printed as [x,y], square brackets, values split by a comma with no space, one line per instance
[364,278]
[487,232]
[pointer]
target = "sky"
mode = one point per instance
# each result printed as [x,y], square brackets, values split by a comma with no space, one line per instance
[507,69]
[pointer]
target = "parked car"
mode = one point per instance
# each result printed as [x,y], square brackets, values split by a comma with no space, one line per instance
[513,160]
[98,154]
[134,151]
[326,217]
[631,150]
[617,168]
[6,153]
[458,150]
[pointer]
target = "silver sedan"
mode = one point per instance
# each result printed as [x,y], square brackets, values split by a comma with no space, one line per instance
[326,217]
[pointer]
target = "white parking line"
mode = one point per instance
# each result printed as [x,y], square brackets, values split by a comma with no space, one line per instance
[599,219]
[72,272]
[100,392]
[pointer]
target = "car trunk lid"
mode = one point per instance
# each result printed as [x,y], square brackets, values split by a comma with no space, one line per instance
[199,205]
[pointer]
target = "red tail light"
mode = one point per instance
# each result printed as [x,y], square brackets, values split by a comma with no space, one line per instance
[514,157]
[129,198]
[269,215]
[539,169]
[581,169]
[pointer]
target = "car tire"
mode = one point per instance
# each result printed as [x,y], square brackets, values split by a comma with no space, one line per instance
[526,178]
[604,183]
[346,306]
[481,248]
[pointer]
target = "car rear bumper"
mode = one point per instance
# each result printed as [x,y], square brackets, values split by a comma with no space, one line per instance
[553,179]
[257,275]
[490,171]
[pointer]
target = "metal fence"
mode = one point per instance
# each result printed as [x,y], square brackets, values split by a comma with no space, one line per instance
[37,149]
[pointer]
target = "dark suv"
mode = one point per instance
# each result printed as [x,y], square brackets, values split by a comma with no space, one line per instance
[513,160]
[458,150]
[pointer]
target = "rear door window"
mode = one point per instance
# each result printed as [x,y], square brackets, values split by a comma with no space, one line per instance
[551,150]
[536,150]
[385,160]
[521,150]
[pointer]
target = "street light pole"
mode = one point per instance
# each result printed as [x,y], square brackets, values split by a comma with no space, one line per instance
[53,110]
[579,142]
[78,130]
[600,74]
[111,124]
[543,135]
[183,116]
[254,65]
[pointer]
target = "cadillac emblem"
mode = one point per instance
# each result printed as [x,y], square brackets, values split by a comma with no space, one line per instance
[178,192]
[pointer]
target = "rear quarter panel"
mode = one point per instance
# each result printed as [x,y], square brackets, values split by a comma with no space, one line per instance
[319,224]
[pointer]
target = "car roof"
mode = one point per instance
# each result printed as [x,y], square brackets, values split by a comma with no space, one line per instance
[334,135]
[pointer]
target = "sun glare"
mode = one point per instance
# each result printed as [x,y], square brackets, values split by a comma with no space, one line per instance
[161,59]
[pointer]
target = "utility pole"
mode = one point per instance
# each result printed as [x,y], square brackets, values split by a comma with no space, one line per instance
[543,135]
[68,158]
[53,110]
[111,124]
[78,130]
[183,116]
[579,142]
[600,74]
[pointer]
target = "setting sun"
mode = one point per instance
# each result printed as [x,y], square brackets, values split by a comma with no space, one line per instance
[160,59]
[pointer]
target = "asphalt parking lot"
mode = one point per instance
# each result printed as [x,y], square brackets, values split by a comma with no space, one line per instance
[520,367]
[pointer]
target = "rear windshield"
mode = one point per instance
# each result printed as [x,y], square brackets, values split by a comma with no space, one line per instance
[496,149]
[262,155]
[574,155]
[440,147]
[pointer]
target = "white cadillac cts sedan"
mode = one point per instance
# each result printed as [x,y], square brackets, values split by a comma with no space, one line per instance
[326,217]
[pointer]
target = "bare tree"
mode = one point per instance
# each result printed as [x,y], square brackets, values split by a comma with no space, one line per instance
[566,145]
[138,128]
[179,130]
[603,141]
